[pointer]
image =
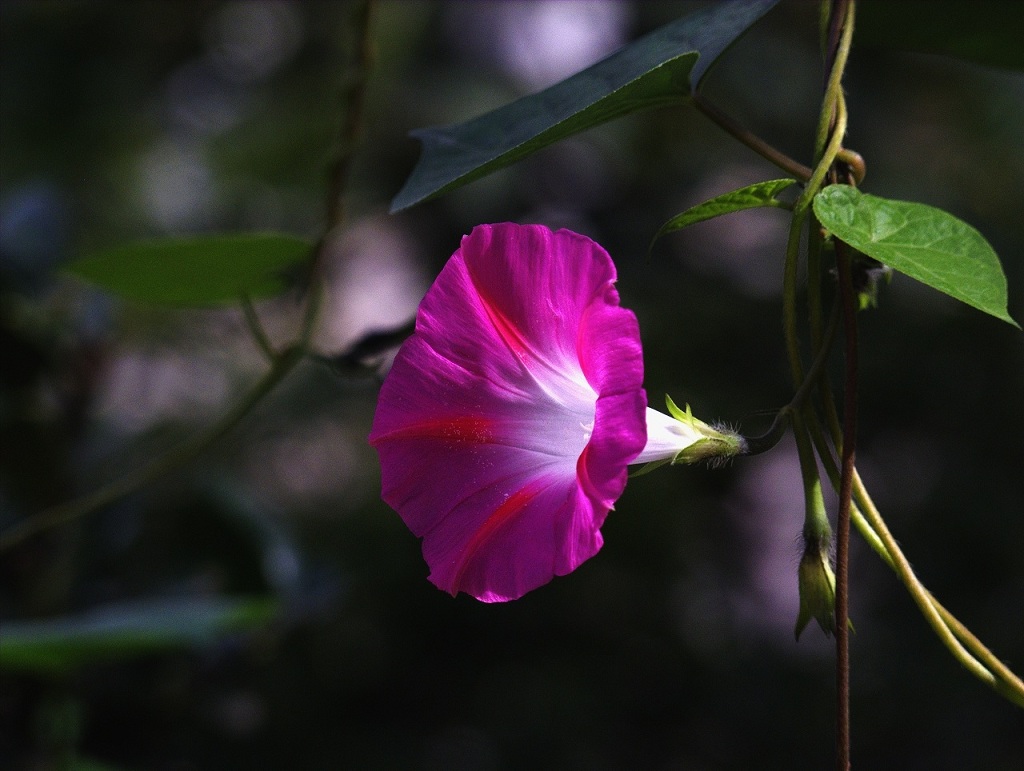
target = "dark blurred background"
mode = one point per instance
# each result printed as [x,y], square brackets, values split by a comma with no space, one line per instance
[673,648]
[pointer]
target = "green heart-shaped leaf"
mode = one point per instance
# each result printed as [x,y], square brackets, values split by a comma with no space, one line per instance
[198,271]
[659,69]
[921,241]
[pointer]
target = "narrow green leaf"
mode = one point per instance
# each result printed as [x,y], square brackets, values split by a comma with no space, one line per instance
[199,271]
[659,69]
[750,197]
[126,629]
[921,241]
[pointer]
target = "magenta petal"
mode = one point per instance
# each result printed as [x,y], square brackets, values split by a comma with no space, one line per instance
[506,423]
[612,359]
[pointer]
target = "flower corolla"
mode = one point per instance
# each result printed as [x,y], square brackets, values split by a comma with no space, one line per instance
[508,418]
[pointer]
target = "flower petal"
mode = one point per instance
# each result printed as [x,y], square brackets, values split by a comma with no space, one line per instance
[666,437]
[508,418]
[612,360]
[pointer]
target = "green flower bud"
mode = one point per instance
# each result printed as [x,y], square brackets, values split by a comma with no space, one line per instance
[817,584]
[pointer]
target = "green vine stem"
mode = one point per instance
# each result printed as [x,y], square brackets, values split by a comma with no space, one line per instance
[958,639]
[952,633]
[281,364]
[839,16]
[801,210]
[864,516]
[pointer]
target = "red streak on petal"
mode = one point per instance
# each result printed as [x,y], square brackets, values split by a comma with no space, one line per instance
[506,330]
[458,428]
[583,473]
[507,511]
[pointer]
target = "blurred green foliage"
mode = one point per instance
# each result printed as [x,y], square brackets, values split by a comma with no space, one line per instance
[210,270]
[673,647]
[116,632]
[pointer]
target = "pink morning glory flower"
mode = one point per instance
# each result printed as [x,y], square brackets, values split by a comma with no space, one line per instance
[508,419]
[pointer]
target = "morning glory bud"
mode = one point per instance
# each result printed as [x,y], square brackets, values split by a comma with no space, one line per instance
[817,584]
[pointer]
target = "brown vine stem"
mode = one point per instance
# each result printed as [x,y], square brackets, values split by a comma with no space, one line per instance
[838,41]
[848,467]
[281,364]
[734,128]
